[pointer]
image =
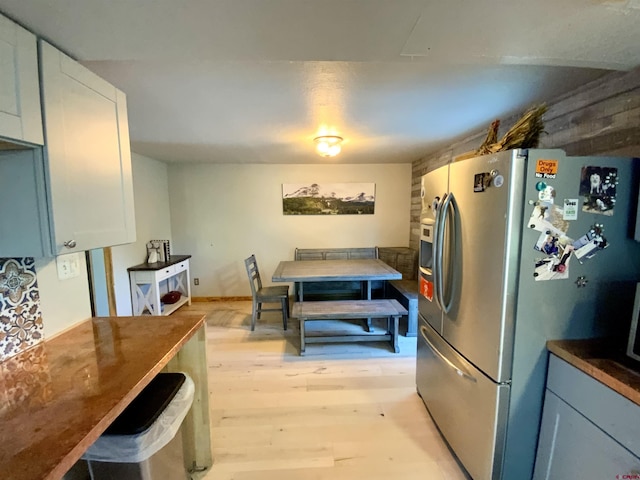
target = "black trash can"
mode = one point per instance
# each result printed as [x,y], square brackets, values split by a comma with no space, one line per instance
[144,442]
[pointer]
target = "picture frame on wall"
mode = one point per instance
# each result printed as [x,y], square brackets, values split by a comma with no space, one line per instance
[328,198]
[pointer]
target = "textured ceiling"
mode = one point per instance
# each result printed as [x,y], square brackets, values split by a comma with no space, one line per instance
[254,81]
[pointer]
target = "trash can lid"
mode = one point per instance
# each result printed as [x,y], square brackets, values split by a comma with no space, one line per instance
[147,406]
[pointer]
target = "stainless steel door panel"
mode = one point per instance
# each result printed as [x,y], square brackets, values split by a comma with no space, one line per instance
[427,305]
[433,184]
[434,187]
[483,257]
[469,408]
[429,309]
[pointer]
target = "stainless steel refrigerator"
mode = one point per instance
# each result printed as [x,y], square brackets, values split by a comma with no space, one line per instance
[516,248]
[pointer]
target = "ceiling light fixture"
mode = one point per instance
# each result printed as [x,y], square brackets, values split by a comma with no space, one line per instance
[328,145]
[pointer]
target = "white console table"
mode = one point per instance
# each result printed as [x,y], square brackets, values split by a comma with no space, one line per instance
[150,281]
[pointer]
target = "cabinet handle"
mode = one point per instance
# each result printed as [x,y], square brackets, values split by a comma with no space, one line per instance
[70,244]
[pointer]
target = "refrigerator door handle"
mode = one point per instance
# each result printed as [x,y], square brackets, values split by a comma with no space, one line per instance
[440,355]
[447,202]
[437,262]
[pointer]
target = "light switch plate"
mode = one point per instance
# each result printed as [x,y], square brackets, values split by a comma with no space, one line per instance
[68,266]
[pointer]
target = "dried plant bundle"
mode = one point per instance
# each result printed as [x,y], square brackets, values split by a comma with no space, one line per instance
[492,137]
[525,133]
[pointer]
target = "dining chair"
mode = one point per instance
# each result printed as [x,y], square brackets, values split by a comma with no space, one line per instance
[262,294]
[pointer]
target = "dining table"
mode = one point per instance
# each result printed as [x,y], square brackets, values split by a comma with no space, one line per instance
[361,270]
[365,270]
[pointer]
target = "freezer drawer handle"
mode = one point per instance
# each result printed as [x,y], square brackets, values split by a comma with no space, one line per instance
[460,372]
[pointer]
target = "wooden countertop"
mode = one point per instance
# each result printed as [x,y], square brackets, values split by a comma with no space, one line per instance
[593,357]
[58,397]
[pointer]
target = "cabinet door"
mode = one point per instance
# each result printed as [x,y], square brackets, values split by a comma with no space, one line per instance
[24,226]
[20,114]
[570,446]
[88,156]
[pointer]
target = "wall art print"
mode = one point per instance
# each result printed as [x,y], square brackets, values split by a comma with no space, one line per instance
[20,312]
[328,198]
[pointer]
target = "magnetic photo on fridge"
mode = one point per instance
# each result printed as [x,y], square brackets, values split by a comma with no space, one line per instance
[598,189]
[554,267]
[547,217]
[589,244]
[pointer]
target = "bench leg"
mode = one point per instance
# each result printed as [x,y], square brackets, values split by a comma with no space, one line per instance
[285,311]
[302,344]
[394,335]
[412,321]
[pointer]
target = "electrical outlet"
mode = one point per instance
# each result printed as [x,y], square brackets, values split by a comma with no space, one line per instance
[68,266]
[196,281]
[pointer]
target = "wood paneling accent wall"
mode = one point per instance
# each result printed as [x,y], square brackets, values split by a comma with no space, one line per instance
[599,118]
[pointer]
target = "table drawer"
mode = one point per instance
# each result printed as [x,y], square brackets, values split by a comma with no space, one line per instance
[166,272]
[180,267]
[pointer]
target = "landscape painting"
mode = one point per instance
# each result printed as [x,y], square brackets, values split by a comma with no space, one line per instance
[328,198]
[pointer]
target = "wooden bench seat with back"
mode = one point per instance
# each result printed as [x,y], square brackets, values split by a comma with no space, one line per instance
[337,290]
[405,291]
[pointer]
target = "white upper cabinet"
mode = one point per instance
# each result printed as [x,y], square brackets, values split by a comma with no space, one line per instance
[87,156]
[76,193]
[20,115]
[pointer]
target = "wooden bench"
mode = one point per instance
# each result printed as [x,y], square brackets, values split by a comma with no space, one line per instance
[404,260]
[345,310]
[335,253]
[337,290]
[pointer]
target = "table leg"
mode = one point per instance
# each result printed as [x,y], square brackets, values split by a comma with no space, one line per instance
[367,325]
[302,344]
[192,359]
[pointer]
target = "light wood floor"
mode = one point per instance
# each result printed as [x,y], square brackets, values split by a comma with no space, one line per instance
[342,412]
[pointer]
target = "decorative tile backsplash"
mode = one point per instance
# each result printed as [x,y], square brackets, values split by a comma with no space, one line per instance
[20,313]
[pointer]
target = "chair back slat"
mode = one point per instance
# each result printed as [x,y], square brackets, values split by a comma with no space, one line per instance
[253,273]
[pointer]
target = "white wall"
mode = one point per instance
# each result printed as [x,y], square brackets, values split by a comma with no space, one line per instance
[151,198]
[63,302]
[220,214]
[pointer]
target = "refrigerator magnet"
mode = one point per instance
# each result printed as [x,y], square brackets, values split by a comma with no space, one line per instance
[546,168]
[570,209]
[588,245]
[548,217]
[481,181]
[598,188]
[547,194]
[548,243]
[555,267]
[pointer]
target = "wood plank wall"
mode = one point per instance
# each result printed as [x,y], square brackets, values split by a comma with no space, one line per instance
[599,118]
